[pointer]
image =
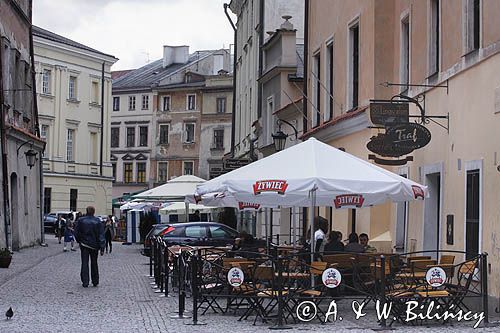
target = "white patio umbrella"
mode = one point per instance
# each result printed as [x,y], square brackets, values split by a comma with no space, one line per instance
[173,190]
[313,174]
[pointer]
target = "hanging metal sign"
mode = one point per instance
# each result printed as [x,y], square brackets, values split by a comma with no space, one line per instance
[382,145]
[410,135]
[389,113]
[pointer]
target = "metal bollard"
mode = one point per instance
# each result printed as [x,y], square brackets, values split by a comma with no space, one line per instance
[151,260]
[182,290]
[382,287]
[167,270]
[280,325]
[195,264]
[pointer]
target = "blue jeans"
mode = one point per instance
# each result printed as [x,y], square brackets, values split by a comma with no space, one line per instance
[94,269]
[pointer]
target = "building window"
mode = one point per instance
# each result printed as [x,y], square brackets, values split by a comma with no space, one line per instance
[188,168]
[221,105]
[70,142]
[472,212]
[113,167]
[44,134]
[46,81]
[472,28]
[145,102]
[93,148]
[130,136]
[162,172]
[143,136]
[191,102]
[116,103]
[353,66]
[219,139]
[128,169]
[141,172]
[47,198]
[405,54]
[115,137]
[166,103]
[317,90]
[329,82]
[72,88]
[164,134]
[73,198]
[269,113]
[189,132]
[131,103]
[95,92]
[434,38]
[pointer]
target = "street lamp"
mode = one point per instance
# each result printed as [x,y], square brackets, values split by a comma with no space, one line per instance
[30,154]
[279,138]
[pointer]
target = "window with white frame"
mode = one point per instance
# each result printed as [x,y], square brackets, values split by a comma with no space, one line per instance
[72,88]
[434,52]
[472,25]
[141,172]
[95,92]
[131,103]
[317,90]
[189,132]
[221,105]
[128,169]
[328,114]
[70,145]
[218,139]
[44,134]
[162,172]
[143,136]
[164,129]
[166,103]
[46,81]
[353,65]
[191,102]
[115,137]
[116,103]
[130,136]
[188,168]
[405,54]
[145,102]
[93,147]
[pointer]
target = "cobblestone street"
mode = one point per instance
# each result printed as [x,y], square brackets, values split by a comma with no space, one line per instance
[44,289]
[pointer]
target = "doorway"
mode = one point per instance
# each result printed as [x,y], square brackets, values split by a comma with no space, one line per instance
[432,208]
[14,216]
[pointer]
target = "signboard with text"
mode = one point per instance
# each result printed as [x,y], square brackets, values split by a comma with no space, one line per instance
[233,163]
[386,113]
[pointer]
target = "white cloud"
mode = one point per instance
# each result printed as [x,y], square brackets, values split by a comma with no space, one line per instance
[133,30]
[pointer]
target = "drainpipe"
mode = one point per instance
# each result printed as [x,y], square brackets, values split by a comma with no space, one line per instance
[37,132]
[306,53]
[261,42]
[233,115]
[5,172]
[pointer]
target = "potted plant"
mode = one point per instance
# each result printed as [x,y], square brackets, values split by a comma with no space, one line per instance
[5,258]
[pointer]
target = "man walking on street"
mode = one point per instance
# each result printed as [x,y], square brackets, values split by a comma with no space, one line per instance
[89,233]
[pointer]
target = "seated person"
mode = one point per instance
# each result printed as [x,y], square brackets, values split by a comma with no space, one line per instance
[363,240]
[354,245]
[334,244]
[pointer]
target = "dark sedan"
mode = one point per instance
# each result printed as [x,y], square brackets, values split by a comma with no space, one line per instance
[155,231]
[199,234]
[49,221]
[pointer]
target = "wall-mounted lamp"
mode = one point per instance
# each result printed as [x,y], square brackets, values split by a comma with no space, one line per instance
[30,154]
[279,138]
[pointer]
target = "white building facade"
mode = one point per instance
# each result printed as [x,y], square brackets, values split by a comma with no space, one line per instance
[74,120]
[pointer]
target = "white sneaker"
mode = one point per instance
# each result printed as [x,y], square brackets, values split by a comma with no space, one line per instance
[65,249]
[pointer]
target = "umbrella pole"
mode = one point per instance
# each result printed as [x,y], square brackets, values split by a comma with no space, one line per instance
[187,212]
[311,226]
[267,231]
[294,226]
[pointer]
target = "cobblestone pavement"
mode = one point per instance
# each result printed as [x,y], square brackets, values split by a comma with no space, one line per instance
[44,289]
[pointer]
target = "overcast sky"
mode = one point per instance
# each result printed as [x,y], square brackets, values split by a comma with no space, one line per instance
[136,30]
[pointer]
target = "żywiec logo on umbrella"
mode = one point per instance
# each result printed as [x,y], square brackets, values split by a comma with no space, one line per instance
[355,200]
[418,192]
[278,186]
[246,205]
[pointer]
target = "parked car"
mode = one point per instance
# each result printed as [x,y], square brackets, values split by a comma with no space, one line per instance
[155,231]
[199,234]
[50,220]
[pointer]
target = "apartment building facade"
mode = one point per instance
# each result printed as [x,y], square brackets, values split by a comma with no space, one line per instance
[169,143]
[443,54]
[74,121]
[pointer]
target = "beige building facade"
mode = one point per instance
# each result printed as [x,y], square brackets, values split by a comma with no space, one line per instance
[76,162]
[451,49]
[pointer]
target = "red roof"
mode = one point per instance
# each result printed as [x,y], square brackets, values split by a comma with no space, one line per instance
[117,74]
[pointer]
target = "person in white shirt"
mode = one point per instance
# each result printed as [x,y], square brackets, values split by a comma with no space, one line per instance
[321,224]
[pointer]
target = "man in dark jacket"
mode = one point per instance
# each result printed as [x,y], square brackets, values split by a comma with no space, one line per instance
[89,233]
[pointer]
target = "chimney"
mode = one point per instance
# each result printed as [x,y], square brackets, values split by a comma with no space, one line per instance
[287,25]
[175,55]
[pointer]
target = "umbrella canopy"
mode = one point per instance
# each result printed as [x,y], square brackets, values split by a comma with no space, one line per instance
[175,189]
[289,178]
[180,208]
